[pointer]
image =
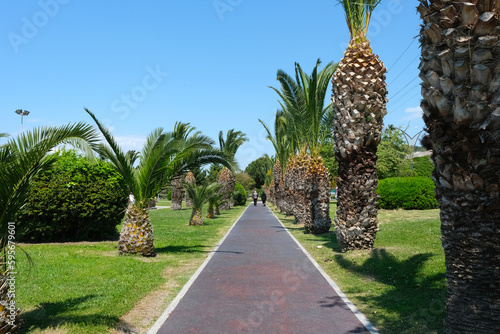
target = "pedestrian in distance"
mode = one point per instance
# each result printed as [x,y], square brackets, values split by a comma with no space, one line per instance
[255,196]
[263,197]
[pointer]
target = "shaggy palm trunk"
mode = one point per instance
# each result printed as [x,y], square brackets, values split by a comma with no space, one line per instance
[196,217]
[278,185]
[176,193]
[359,91]
[217,210]
[136,236]
[9,315]
[271,196]
[191,180]
[311,187]
[288,207]
[228,182]
[461,97]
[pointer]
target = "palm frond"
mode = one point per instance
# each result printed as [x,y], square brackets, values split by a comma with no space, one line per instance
[358,14]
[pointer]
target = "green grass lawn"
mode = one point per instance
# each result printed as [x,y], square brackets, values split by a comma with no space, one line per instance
[400,286]
[88,287]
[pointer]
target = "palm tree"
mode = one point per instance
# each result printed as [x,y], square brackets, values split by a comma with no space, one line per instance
[229,146]
[283,149]
[21,159]
[164,156]
[460,90]
[359,98]
[214,203]
[306,177]
[199,194]
[183,131]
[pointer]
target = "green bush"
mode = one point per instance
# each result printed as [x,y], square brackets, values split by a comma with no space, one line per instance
[409,193]
[169,195]
[423,166]
[74,201]
[239,195]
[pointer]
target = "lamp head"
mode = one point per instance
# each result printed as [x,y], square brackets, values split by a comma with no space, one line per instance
[19,111]
[25,113]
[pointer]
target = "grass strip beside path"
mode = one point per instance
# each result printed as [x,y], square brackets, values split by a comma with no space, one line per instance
[88,288]
[400,286]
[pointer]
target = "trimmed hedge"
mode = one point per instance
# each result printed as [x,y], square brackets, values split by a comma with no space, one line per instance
[423,166]
[74,201]
[239,195]
[409,193]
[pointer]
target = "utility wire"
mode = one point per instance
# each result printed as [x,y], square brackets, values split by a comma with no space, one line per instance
[401,55]
[399,91]
[393,101]
[404,70]
[406,101]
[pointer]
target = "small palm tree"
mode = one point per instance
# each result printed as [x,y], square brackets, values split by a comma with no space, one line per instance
[199,194]
[214,202]
[21,159]
[164,156]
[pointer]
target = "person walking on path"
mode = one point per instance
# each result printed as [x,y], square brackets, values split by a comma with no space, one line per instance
[263,197]
[255,196]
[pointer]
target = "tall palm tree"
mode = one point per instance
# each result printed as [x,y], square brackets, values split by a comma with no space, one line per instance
[21,159]
[200,194]
[229,146]
[306,177]
[461,105]
[359,99]
[164,156]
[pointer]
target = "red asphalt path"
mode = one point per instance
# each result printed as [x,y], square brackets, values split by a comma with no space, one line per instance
[259,280]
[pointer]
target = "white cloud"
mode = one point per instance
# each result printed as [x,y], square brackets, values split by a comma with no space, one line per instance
[413,113]
[130,143]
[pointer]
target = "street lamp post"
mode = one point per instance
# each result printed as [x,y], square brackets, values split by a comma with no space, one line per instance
[22,113]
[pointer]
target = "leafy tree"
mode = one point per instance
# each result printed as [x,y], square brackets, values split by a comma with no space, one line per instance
[245,180]
[74,201]
[328,155]
[239,195]
[258,169]
[392,152]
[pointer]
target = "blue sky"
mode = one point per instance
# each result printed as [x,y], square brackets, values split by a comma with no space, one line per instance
[139,65]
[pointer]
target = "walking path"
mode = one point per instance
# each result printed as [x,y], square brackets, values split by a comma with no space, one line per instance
[260,280]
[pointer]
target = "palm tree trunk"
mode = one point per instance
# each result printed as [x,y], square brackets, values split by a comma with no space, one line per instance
[196,217]
[460,90]
[136,236]
[210,212]
[289,191]
[192,180]
[176,193]
[359,91]
[228,182]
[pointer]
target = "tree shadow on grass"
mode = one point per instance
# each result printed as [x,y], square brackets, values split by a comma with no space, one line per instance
[69,311]
[181,249]
[419,300]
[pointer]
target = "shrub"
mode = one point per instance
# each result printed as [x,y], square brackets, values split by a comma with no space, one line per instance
[409,193]
[169,195]
[74,201]
[423,166]
[239,195]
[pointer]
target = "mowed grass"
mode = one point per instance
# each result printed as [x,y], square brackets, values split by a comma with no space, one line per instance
[400,286]
[88,288]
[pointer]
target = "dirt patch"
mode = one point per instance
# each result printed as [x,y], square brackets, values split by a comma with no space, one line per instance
[142,317]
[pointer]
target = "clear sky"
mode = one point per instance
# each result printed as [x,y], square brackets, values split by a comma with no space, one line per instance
[139,65]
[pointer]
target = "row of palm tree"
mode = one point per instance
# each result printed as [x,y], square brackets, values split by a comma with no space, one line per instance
[301,183]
